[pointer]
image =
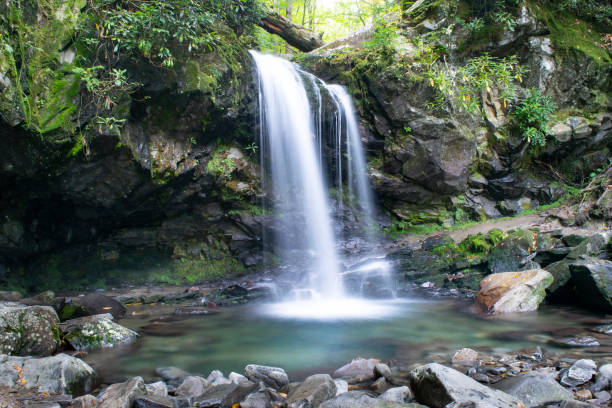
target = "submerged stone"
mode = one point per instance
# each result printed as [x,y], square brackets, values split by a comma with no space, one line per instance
[535,389]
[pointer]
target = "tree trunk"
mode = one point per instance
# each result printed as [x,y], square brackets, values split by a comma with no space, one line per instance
[296,35]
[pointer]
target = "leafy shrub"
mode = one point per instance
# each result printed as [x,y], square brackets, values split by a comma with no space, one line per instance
[532,116]
[383,35]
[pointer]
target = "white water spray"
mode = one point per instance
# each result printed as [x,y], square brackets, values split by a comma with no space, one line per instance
[293,144]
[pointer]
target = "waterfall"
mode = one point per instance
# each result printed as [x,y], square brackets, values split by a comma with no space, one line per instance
[310,142]
[297,182]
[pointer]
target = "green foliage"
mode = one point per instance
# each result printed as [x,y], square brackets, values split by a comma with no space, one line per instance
[532,115]
[462,88]
[220,165]
[382,36]
[154,28]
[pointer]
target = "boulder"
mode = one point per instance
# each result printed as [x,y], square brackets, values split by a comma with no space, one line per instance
[535,389]
[172,375]
[237,378]
[193,386]
[60,374]
[593,284]
[271,376]
[398,394]
[437,386]
[604,378]
[28,330]
[10,296]
[382,370]
[561,132]
[154,401]
[560,271]
[158,388]
[341,386]
[359,369]
[579,373]
[511,292]
[512,253]
[89,305]
[216,377]
[361,399]
[465,355]
[123,395]
[85,401]
[314,390]
[225,395]
[96,332]
[262,399]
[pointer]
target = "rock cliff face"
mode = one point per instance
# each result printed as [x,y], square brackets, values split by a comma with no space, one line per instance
[169,184]
[171,189]
[439,164]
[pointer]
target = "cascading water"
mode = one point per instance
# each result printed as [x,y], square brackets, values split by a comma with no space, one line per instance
[293,143]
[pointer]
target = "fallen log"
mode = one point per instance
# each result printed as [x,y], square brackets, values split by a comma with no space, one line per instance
[301,38]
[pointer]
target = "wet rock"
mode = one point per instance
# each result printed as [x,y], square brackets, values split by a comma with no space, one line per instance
[314,390]
[225,395]
[89,305]
[581,341]
[216,377]
[193,386]
[265,398]
[465,355]
[96,332]
[235,291]
[561,132]
[341,386]
[604,378]
[560,271]
[398,394]
[580,127]
[359,369]
[360,399]
[593,284]
[602,396]
[28,330]
[85,401]
[437,386]
[10,296]
[237,378]
[171,375]
[572,240]
[535,389]
[124,394]
[579,373]
[154,401]
[158,388]
[511,292]
[604,329]
[59,374]
[583,395]
[380,385]
[271,376]
[512,253]
[382,370]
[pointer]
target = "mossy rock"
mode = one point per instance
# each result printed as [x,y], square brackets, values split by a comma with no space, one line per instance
[511,253]
[28,330]
[96,332]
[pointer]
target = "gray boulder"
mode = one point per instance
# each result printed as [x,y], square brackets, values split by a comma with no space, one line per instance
[123,395]
[265,398]
[603,380]
[579,373]
[535,389]
[360,399]
[437,386]
[90,305]
[60,374]
[593,284]
[28,330]
[560,270]
[85,401]
[225,395]
[398,394]
[172,375]
[314,390]
[271,376]
[96,332]
[359,369]
[341,386]
[154,401]
[193,386]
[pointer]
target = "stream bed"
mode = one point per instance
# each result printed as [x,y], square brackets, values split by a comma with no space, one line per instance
[419,331]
